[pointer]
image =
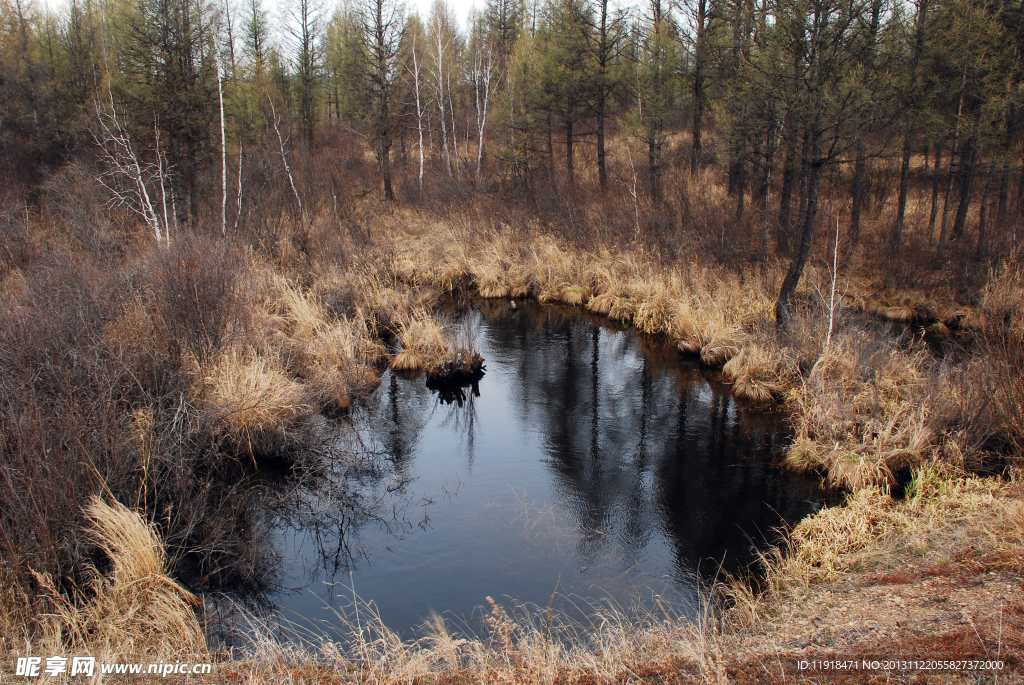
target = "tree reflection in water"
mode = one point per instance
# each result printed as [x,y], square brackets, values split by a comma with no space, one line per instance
[587,456]
[638,440]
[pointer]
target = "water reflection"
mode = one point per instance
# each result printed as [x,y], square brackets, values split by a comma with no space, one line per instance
[639,442]
[587,458]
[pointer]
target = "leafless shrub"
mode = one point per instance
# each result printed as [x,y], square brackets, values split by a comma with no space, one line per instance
[194,289]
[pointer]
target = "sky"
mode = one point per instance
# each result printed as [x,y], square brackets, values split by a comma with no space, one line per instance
[422,7]
[460,7]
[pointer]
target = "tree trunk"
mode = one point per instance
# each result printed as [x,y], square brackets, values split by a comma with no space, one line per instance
[983,214]
[569,148]
[802,181]
[384,161]
[784,306]
[602,169]
[698,85]
[966,186]
[859,171]
[944,222]
[740,196]
[790,181]
[901,207]
[860,167]
[653,169]
[936,180]
[551,147]
[786,198]
[1004,192]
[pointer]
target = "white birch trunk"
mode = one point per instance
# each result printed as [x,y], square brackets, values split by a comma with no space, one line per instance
[284,159]
[419,107]
[238,213]
[455,135]
[486,71]
[223,157]
[163,187]
[439,53]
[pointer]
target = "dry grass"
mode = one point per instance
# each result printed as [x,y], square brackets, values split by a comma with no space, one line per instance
[136,610]
[864,411]
[425,344]
[708,312]
[522,646]
[759,373]
[250,392]
[945,515]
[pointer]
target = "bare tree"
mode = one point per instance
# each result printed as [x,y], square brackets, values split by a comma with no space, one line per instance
[305,27]
[127,177]
[383,26]
[223,157]
[485,79]
[441,39]
[419,104]
[284,157]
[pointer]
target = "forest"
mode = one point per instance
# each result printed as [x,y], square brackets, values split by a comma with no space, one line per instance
[222,222]
[900,115]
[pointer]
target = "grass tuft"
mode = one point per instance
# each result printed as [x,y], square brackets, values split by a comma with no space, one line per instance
[137,609]
[248,391]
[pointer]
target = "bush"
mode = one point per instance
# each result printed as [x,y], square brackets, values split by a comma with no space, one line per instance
[194,287]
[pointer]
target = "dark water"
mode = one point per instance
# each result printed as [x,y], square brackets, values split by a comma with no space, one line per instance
[586,458]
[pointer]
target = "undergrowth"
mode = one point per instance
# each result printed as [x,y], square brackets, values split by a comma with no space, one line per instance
[162,381]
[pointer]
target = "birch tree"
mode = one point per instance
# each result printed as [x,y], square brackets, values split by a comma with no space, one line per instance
[420,113]
[442,34]
[484,76]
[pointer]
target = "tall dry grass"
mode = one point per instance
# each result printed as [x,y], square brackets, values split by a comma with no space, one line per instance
[864,410]
[134,610]
[944,513]
[525,645]
[250,392]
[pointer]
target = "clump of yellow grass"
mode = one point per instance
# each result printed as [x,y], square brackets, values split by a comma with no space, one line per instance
[602,304]
[333,357]
[944,512]
[498,270]
[757,373]
[339,362]
[425,345]
[249,391]
[575,296]
[135,610]
[863,412]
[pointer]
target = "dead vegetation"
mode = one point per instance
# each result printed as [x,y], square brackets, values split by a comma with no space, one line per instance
[174,372]
[135,608]
[937,573]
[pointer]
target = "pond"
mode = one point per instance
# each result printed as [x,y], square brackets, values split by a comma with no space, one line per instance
[588,464]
